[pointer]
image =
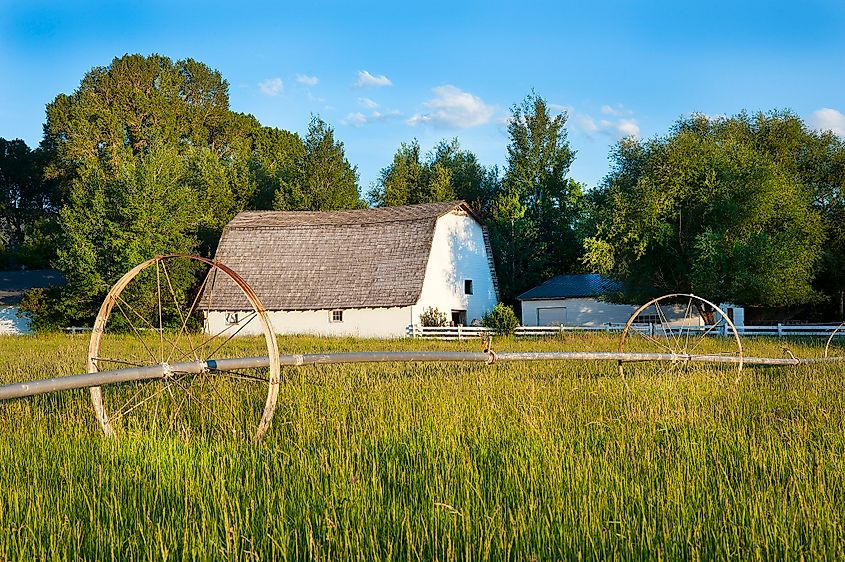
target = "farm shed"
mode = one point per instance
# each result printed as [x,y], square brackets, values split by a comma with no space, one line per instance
[572,300]
[365,273]
[575,300]
[12,286]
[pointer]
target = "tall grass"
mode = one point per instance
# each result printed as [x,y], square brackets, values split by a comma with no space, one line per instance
[531,461]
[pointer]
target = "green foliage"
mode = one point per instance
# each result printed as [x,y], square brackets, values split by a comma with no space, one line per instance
[715,208]
[446,173]
[433,317]
[112,224]
[27,205]
[325,180]
[535,214]
[501,319]
[40,307]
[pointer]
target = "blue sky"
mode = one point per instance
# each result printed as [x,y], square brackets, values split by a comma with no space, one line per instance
[386,72]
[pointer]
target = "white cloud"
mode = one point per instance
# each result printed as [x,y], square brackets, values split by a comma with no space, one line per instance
[272,86]
[307,80]
[365,79]
[453,108]
[586,123]
[559,108]
[358,119]
[368,103]
[627,128]
[827,119]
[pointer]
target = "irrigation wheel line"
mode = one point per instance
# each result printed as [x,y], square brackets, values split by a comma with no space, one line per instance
[678,337]
[182,382]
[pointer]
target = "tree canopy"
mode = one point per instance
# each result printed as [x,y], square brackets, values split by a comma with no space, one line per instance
[716,207]
[149,159]
[323,179]
[445,173]
[535,212]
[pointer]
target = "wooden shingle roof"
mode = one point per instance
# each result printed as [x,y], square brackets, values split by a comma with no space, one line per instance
[304,260]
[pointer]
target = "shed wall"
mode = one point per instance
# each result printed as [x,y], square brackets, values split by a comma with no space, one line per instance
[592,312]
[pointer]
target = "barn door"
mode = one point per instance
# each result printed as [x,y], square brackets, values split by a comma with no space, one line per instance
[551,316]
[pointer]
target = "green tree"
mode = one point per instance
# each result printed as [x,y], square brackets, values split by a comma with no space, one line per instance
[537,208]
[27,203]
[713,208]
[112,224]
[324,179]
[445,173]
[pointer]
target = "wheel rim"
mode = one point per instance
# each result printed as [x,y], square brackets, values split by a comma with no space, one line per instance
[837,331]
[155,315]
[673,332]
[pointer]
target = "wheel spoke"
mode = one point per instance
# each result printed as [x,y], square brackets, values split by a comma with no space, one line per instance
[200,403]
[134,329]
[183,320]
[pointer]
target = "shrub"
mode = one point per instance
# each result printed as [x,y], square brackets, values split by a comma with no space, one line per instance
[433,317]
[501,319]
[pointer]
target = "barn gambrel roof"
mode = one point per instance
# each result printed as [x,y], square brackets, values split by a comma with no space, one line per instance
[306,260]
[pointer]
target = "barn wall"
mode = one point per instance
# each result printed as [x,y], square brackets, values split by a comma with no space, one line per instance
[592,312]
[357,322]
[457,253]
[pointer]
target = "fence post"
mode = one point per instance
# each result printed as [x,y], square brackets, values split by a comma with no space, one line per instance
[460,336]
[651,329]
[780,330]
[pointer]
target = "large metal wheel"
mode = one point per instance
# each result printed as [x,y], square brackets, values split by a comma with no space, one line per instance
[156,315]
[840,332]
[680,330]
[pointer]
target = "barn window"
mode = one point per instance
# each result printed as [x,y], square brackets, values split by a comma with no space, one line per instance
[232,319]
[337,316]
[467,286]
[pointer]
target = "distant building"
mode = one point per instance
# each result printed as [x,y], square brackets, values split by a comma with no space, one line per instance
[573,300]
[576,300]
[12,286]
[367,273]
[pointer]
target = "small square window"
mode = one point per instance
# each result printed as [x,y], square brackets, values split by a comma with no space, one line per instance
[232,319]
[337,316]
[467,286]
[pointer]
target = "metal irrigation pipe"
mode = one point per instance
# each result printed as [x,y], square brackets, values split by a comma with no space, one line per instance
[164,370]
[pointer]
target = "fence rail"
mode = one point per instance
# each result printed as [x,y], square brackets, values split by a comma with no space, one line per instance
[778,330]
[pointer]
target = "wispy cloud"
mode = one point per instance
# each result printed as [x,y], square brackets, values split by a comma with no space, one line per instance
[827,119]
[453,108]
[617,121]
[368,103]
[367,80]
[359,119]
[307,80]
[272,86]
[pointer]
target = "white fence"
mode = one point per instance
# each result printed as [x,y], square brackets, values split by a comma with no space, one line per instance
[778,330]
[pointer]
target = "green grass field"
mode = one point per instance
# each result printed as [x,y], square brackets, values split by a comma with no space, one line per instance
[533,461]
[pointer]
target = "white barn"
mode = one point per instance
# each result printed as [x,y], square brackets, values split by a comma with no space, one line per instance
[364,273]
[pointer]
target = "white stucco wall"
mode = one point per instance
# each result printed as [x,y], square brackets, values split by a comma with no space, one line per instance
[10,324]
[357,322]
[457,253]
[592,312]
